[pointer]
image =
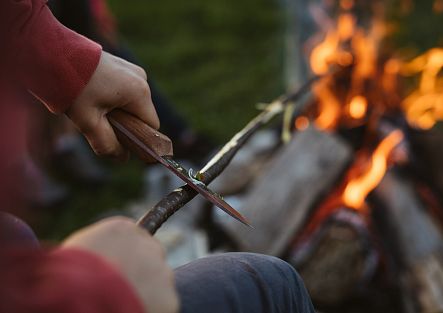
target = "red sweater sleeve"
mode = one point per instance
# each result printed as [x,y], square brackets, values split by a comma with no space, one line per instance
[63,281]
[51,61]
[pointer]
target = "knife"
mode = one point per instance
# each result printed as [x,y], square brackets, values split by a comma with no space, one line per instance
[152,146]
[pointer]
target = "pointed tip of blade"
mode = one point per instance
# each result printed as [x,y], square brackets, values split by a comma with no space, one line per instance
[244,221]
[248,224]
[235,214]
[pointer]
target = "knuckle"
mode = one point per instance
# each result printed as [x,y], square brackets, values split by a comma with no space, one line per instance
[103,150]
[141,72]
[157,249]
[118,222]
[141,87]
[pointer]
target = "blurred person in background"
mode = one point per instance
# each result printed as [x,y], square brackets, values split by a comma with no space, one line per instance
[112,266]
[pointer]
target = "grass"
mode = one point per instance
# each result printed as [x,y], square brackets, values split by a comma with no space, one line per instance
[213,59]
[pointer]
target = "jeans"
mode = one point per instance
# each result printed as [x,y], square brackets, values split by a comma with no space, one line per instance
[241,283]
[225,283]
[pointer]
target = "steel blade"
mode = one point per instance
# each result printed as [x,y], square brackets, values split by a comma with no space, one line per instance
[184,175]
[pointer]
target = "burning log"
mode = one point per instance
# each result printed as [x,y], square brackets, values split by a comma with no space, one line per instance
[417,243]
[337,258]
[175,200]
[301,173]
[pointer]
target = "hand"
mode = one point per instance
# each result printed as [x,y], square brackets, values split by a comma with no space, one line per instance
[114,84]
[139,257]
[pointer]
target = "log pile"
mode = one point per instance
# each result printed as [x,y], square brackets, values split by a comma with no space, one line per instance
[375,247]
[281,198]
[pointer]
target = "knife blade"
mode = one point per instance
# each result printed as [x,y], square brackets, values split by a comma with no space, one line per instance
[151,145]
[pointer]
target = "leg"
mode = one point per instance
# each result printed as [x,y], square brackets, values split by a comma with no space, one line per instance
[241,283]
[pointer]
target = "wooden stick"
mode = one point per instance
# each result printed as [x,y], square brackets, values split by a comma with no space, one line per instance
[175,200]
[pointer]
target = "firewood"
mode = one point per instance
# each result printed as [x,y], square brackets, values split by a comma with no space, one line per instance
[280,200]
[336,259]
[417,242]
[175,200]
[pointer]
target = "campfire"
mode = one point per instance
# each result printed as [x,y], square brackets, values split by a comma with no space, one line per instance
[364,230]
[344,196]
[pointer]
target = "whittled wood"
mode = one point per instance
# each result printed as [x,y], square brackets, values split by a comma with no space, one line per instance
[154,139]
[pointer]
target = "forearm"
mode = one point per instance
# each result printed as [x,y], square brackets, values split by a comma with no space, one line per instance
[63,280]
[51,61]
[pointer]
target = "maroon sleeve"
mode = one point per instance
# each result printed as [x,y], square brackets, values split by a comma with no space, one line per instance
[53,62]
[63,281]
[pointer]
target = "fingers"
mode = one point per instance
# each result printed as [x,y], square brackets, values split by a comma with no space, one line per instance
[101,137]
[142,106]
[116,83]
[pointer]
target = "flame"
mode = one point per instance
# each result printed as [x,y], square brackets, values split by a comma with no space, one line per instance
[328,51]
[328,106]
[347,45]
[438,6]
[390,72]
[358,107]
[347,4]
[302,123]
[345,26]
[357,189]
[424,106]
[322,55]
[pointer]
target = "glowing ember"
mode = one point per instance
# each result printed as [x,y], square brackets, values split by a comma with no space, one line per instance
[424,106]
[302,123]
[358,107]
[357,189]
[347,4]
[438,6]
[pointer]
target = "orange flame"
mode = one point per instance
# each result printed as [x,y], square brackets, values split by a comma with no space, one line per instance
[329,106]
[357,189]
[424,106]
[346,26]
[301,123]
[347,4]
[390,72]
[323,54]
[438,6]
[329,51]
[345,45]
[358,107]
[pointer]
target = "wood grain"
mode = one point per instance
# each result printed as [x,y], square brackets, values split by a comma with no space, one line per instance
[281,199]
[154,139]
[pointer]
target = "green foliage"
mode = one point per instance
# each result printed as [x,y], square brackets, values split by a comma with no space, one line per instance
[213,59]
[418,30]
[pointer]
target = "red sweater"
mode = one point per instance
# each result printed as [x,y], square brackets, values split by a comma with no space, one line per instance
[54,64]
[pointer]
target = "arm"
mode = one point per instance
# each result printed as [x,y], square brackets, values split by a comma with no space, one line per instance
[70,73]
[51,61]
[68,281]
[110,267]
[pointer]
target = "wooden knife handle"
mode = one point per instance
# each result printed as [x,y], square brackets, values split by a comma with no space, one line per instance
[157,141]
